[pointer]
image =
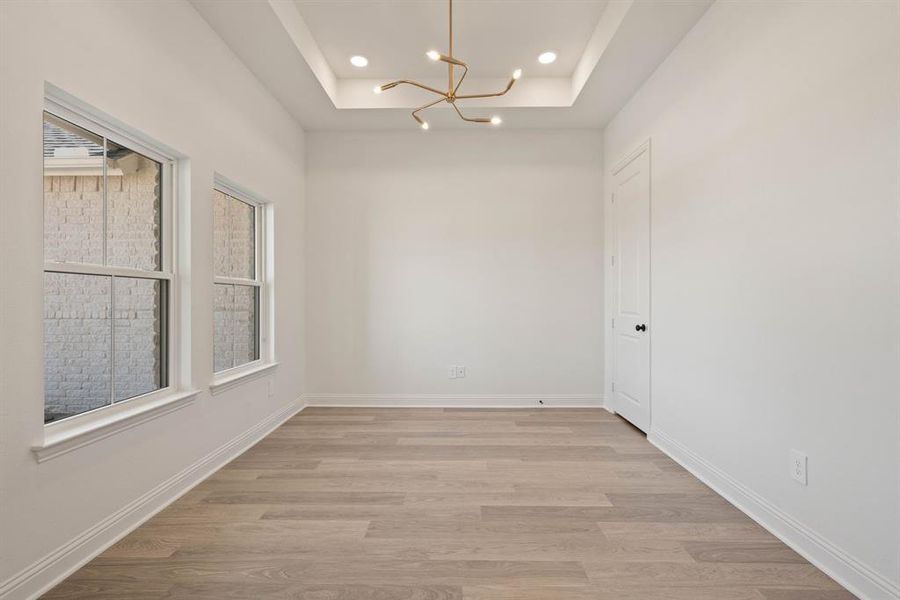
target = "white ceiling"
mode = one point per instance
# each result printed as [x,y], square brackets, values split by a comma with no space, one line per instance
[300,50]
[493,36]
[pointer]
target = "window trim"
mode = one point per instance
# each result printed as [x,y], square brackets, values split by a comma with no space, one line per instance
[78,430]
[73,432]
[263,272]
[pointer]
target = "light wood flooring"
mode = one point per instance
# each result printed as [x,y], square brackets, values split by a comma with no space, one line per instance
[451,504]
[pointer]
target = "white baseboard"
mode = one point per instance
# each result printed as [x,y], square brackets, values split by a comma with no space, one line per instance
[843,568]
[39,577]
[456,400]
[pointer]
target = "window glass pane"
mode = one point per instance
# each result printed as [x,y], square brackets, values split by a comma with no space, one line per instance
[221,257]
[139,326]
[245,324]
[234,237]
[133,209]
[73,193]
[243,240]
[77,336]
[223,327]
[236,325]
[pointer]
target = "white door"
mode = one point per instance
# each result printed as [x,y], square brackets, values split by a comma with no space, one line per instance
[631,270]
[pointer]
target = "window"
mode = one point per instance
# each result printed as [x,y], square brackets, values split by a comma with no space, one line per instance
[107,269]
[238,298]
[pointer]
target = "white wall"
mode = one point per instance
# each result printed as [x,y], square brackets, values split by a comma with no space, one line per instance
[474,248]
[158,68]
[776,290]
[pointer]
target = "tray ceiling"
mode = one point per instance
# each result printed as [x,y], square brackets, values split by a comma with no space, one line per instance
[300,50]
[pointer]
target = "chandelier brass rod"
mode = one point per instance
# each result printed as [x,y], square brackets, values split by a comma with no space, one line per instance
[449,64]
[415,83]
[451,60]
[465,118]
[421,108]
[459,83]
[469,96]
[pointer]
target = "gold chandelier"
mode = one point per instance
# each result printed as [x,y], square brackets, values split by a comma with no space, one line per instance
[451,95]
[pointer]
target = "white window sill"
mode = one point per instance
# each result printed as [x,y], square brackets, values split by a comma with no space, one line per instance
[65,436]
[235,377]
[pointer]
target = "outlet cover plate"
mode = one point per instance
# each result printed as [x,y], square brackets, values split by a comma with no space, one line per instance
[798,466]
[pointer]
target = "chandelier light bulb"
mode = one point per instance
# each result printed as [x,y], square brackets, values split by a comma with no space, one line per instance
[495,120]
[517,73]
[425,125]
[377,89]
[433,55]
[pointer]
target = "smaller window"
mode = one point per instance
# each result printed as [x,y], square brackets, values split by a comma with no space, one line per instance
[239,285]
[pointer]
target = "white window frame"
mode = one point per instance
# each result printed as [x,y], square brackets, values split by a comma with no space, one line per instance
[78,430]
[263,275]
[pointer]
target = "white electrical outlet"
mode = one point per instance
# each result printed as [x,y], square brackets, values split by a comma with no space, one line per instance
[798,466]
[460,372]
[451,372]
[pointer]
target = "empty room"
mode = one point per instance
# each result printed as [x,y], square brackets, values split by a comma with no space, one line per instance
[450,299]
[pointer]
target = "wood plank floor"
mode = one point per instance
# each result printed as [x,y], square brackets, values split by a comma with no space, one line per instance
[451,504]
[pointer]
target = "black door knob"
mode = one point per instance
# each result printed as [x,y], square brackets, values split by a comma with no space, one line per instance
[641,327]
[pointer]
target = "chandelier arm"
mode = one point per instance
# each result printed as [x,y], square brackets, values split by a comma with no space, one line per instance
[429,105]
[495,95]
[459,83]
[414,83]
[465,118]
[451,60]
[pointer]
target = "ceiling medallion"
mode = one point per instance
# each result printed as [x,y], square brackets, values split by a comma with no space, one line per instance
[451,95]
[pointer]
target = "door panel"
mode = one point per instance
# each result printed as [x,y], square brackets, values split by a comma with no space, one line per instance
[631,320]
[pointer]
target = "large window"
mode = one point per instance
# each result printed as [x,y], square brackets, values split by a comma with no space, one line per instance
[107,271]
[238,305]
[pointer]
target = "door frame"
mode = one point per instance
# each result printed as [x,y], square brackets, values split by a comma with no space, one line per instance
[610,272]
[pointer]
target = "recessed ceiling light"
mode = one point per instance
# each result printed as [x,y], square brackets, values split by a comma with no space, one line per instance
[547,57]
[359,61]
